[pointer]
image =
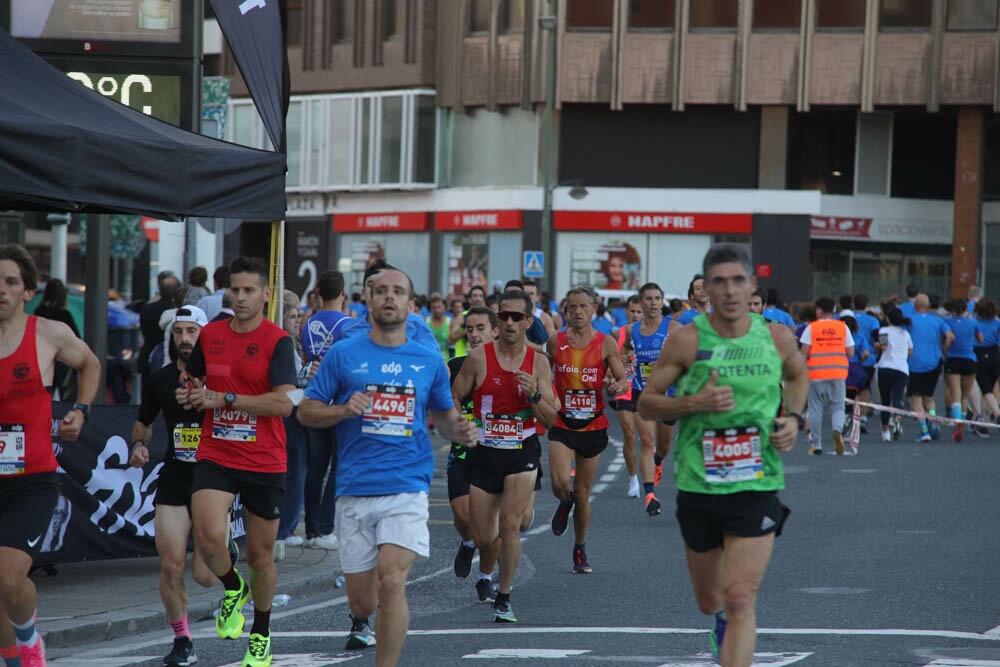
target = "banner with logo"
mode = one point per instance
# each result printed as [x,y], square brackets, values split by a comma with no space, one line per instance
[105,508]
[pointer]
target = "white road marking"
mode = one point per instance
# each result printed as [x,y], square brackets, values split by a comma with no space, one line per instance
[304,660]
[759,660]
[993,631]
[524,653]
[608,477]
[962,662]
[597,489]
[860,471]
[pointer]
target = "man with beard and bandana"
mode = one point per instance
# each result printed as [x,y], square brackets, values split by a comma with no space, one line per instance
[377,389]
[173,486]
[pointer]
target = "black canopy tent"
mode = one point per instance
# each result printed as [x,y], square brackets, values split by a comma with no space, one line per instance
[64,147]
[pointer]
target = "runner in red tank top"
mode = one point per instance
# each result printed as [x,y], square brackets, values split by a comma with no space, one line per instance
[512,392]
[29,488]
[580,357]
[242,374]
[625,403]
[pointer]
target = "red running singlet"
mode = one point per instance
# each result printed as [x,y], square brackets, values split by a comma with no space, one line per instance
[498,402]
[25,411]
[579,381]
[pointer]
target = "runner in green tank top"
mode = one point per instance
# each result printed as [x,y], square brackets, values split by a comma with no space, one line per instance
[729,370]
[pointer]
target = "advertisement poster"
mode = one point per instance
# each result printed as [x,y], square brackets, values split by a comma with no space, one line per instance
[110,20]
[468,262]
[610,265]
[305,256]
[363,252]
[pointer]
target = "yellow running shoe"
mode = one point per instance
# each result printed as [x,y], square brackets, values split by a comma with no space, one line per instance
[229,622]
[258,651]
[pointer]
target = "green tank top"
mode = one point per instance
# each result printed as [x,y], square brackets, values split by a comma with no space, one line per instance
[730,452]
[462,345]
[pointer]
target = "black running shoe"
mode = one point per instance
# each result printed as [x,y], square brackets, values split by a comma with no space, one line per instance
[487,590]
[361,635]
[561,517]
[182,654]
[652,504]
[463,560]
[580,563]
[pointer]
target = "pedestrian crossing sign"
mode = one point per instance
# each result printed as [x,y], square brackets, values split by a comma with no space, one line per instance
[534,264]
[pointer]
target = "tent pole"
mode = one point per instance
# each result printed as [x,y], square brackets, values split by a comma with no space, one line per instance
[95,307]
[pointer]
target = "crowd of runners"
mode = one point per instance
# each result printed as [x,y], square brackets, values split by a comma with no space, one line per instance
[725,382]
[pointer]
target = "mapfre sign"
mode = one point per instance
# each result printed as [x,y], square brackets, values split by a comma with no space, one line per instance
[645,221]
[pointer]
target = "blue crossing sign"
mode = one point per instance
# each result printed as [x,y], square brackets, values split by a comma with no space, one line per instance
[533,265]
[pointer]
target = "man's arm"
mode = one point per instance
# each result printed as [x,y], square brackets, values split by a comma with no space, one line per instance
[612,357]
[275,403]
[795,389]
[465,381]
[74,353]
[455,427]
[457,330]
[142,434]
[540,381]
[549,325]
[317,414]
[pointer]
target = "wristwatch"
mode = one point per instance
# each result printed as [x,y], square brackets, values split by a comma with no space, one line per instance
[799,418]
[537,397]
[229,398]
[82,407]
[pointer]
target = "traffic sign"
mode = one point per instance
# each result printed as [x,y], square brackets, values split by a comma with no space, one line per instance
[533,265]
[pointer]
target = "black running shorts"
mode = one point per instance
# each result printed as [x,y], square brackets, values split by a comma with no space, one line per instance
[923,384]
[586,444]
[262,493]
[987,367]
[174,484]
[622,404]
[486,467]
[457,486]
[954,366]
[705,518]
[26,506]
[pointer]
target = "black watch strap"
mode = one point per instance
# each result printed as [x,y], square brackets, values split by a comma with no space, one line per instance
[82,407]
[799,418]
[537,397]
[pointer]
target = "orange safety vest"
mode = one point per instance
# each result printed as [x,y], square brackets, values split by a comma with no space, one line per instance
[827,358]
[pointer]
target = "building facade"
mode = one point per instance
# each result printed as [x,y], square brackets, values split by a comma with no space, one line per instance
[852,144]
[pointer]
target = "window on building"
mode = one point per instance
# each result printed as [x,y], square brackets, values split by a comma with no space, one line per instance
[715,14]
[821,151]
[777,14]
[840,14]
[874,149]
[390,19]
[341,23]
[511,16]
[391,140]
[991,161]
[590,15]
[904,14]
[479,16]
[651,14]
[923,155]
[972,15]
[293,29]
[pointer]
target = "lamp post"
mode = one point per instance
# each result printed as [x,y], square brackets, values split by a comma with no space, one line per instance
[548,24]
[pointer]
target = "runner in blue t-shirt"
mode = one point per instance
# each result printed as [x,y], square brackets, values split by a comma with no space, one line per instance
[988,356]
[960,364]
[698,298]
[930,335]
[376,391]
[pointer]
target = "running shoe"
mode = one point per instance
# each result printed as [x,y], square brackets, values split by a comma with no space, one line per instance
[361,635]
[33,656]
[229,622]
[487,590]
[503,613]
[981,431]
[633,487]
[935,430]
[560,519]
[328,542]
[815,451]
[958,433]
[897,428]
[838,443]
[580,563]
[652,504]
[924,437]
[463,560]
[258,651]
[886,436]
[294,541]
[716,635]
[658,474]
[182,654]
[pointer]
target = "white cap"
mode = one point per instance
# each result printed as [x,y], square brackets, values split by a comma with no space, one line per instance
[190,314]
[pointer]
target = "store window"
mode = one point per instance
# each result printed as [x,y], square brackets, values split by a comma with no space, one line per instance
[972,15]
[879,274]
[479,16]
[840,14]
[511,16]
[783,14]
[591,15]
[651,14]
[874,150]
[715,14]
[904,14]
[821,151]
[923,155]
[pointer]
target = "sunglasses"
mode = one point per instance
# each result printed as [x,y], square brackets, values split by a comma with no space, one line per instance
[505,315]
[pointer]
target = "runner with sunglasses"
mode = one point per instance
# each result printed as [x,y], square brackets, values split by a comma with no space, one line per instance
[512,390]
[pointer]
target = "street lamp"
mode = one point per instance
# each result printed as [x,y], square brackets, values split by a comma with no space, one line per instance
[548,24]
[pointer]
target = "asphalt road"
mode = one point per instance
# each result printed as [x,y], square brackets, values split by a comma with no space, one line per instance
[889,558]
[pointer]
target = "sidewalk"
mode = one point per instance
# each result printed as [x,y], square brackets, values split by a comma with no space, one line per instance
[99,600]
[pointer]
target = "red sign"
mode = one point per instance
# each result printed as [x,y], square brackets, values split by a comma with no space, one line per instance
[151,227]
[764,271]
[848,228]
[381,222]
[645,221]
[478,220]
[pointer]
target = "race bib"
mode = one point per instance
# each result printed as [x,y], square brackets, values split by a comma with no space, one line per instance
[732,455]
[390,410]
[503,431]
[11,449]
[630,368]
[234,425]
[187,437]
[645,370]
[580,404]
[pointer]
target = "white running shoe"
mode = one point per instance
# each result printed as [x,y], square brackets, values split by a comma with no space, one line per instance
[633,487]
[293,541]
[328,542]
